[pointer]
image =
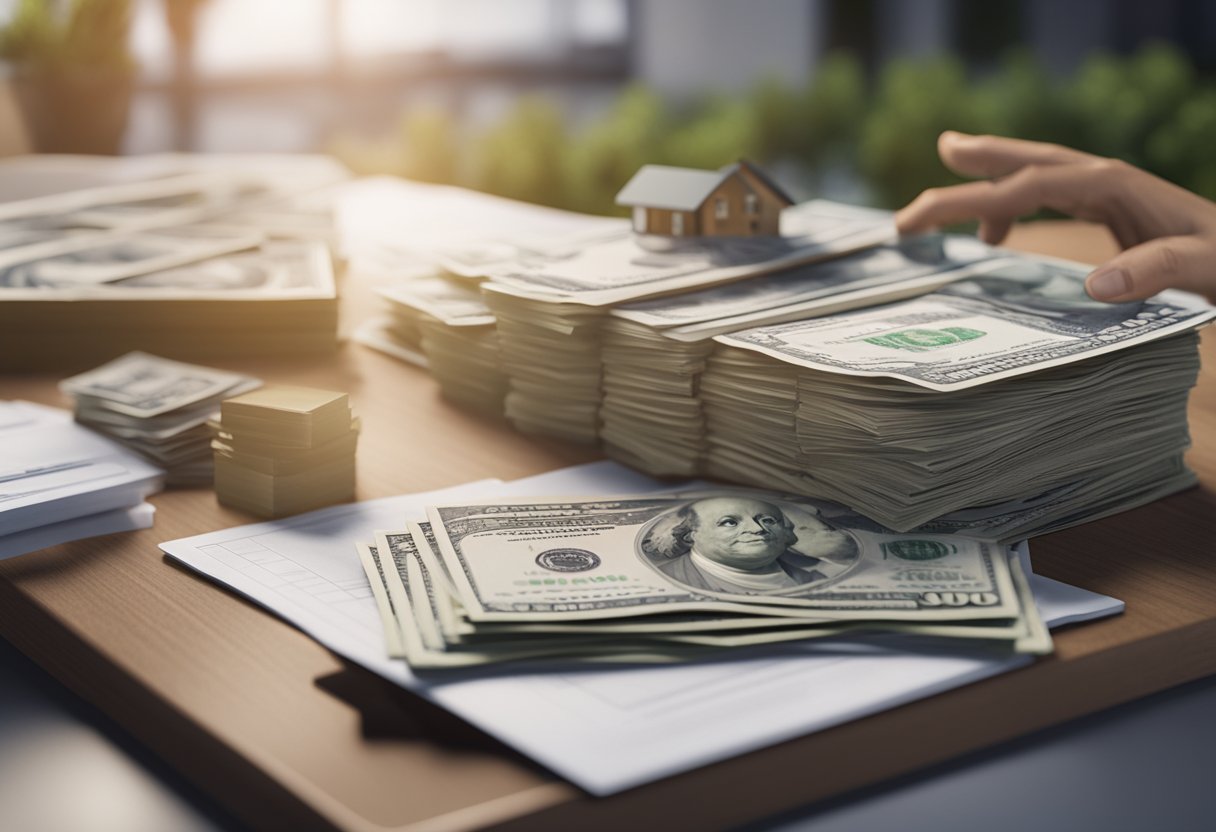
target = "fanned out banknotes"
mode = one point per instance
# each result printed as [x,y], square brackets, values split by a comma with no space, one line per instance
[678,575]
[185,256]
[934,384]
[157,408]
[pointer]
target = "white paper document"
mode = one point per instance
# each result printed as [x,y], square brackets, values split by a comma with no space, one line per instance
[604,728]
[53,470]
[91,525]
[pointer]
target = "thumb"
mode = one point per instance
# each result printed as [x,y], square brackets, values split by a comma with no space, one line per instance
[1146,269]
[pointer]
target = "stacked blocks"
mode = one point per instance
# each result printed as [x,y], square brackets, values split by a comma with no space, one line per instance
[282,450]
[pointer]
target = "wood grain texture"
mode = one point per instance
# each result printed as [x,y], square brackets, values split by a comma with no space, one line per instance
[227,693]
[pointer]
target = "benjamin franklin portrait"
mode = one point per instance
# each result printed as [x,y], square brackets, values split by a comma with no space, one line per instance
[739,544]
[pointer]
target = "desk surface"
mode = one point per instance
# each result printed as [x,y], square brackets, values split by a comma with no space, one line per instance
[228,694]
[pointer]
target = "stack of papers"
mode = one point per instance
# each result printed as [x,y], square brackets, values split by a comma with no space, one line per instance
[60,481]
[605,729]
[282,450]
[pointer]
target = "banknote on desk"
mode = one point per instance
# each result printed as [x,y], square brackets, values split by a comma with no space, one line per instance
[605,727]
[73,316]
[89,271]
[673,576]
[157,408]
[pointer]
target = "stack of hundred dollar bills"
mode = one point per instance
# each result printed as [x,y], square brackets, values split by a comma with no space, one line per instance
[189,257]
[678,575]
[932,384]
[157,408]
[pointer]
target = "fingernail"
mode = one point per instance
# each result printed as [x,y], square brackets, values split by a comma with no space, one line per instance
[1108,282]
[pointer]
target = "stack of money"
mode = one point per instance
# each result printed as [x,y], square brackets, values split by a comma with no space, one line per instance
[442,322]
[1004,405]
[747,361]
[158,408]
[677,575]
[281,450]
[654,351]
[185,266]
[551,305]
[550,354]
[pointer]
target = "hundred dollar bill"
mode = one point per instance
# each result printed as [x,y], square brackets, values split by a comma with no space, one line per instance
[719,626]
[917,265]
[391,227]
[126,205]
[417,604]
[615,268]
[450,302]
[390,612]
[710,551]
[275,270]
[457,626]
[1020,318]
[106,258]
[144,386]
[27,231]
[463,641]
[380,334]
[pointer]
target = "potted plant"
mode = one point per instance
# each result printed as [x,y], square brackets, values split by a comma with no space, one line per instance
[72,72]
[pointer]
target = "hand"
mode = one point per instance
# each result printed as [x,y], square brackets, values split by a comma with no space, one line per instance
[1168,233]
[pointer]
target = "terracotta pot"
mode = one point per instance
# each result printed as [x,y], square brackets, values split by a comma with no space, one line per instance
[76,111]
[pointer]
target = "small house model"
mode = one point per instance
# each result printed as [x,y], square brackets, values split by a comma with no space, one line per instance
[737,201]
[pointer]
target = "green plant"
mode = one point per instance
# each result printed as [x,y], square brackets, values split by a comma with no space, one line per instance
[521,157]
[46,36]
[429,146]
[718,132]
[1149,108]
[1181,147]
[829,113]
[916,101]
[610,150]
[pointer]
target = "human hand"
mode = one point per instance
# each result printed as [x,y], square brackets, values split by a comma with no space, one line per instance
[1168,233]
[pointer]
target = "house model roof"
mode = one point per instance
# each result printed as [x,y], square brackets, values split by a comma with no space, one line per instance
[682,189]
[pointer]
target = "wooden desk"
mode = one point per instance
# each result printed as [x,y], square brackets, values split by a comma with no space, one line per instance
[227,694]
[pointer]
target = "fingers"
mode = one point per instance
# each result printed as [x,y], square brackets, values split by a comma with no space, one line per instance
[987,157]
[1079,189]
[1145,270]
[993,232]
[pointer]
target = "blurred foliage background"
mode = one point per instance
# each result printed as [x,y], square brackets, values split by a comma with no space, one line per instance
[869,140]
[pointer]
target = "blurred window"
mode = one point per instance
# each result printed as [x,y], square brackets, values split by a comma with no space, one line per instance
[639,219]
[721,209]
[249,38]
[677,224]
